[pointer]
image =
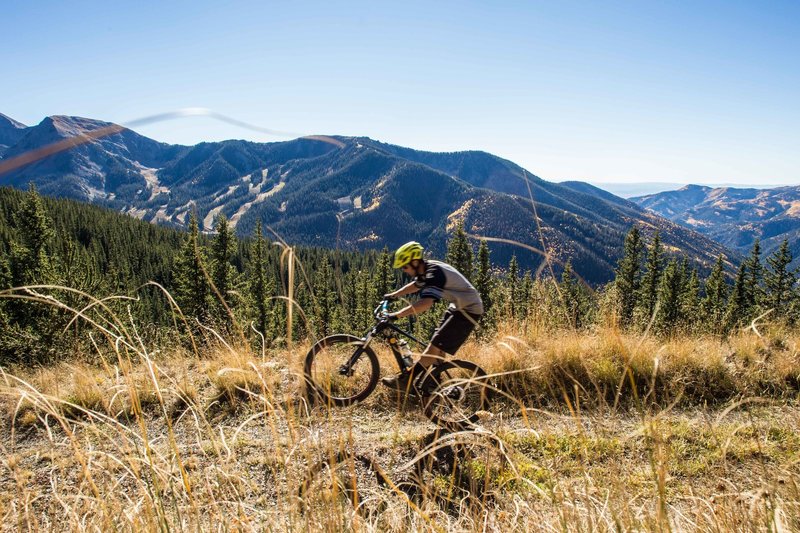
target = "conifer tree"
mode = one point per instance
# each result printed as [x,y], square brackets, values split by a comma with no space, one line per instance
[573,298]
[261,283]
[30,261]
[628,276]
[512,283]
[350,302]
[739,303]
[648,294]
[5,283]
[779,280]
[324,297]
[670,289]
[190,274]
[459,252]
[223,274]
[524,294]
[690,309]
[365,299]
[753,289]
[483,278]
[715,302]
[384,277]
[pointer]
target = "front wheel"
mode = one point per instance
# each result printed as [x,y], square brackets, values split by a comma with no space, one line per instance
[330,380]
[459,391]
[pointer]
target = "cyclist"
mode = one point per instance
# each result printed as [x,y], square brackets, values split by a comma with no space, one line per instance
[434,280]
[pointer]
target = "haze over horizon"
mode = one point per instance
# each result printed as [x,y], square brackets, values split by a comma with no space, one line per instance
[698,93]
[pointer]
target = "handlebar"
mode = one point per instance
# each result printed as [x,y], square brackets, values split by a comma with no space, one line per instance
[382,310]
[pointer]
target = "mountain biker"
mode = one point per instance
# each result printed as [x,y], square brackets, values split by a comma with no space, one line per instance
[434,280]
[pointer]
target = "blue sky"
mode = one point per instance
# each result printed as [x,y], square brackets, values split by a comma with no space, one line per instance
[682,92]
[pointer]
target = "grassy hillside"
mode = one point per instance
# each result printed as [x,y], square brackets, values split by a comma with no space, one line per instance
[598,431]
[203,425]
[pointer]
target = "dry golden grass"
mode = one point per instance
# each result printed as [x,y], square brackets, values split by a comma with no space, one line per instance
[608,369]
[591,431]
[222,439]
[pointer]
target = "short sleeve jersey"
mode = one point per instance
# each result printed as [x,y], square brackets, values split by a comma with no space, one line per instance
[442,281]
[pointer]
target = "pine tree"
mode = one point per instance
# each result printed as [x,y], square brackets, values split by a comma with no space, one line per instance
[5,283]
[483,278]
[512,283]
[30,261]
[262,285]
[459,252]
[715,302]
[223,274]
[524,294]
[690,309]
[754,292]
[324,297]
[648,294]
[670,289]
[628,276]
[365,299]
[190,274]
[739,303]
[31,332]
[779,281]
[351,320]
[384,277]
[571,296]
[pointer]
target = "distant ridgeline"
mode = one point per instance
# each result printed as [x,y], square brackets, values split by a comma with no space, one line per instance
[350,193]
[240,287]
[734,217]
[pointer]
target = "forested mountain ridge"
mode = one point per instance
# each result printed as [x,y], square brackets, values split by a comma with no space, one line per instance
[735,217]
[348,192]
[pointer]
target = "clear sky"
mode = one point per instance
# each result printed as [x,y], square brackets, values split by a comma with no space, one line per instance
[602,91]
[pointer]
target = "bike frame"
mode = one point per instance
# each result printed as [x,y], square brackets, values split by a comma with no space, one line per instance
[380,330]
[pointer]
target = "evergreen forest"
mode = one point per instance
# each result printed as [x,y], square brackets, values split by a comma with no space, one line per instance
[67,267]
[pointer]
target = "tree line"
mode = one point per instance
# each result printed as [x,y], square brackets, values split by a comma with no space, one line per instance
[264,292]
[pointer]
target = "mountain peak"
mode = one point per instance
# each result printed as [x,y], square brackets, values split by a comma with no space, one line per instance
[695,188]
[6,121]
[11,131]
[68,126]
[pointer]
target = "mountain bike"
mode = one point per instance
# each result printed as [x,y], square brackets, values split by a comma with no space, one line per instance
[341,370]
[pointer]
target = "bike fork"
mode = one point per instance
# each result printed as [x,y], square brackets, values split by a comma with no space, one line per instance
[347,368]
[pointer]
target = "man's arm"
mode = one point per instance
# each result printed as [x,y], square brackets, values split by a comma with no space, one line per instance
[417,308]
[411,288]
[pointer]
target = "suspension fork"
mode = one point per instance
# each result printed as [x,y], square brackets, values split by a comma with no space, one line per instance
[347,368]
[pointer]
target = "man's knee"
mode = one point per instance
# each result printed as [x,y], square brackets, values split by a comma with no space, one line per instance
[431,356]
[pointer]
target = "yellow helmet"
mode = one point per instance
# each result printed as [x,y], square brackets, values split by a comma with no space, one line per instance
[407,253]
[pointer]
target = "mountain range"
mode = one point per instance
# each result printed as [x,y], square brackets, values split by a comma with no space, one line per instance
[338,192]
[734,217]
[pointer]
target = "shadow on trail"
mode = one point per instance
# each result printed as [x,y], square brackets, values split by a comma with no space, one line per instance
[453,471]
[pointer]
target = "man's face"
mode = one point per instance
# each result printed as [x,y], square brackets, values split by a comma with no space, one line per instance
[409,270]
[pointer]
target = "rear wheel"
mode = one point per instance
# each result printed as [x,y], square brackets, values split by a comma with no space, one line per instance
[328,380]
[458,392]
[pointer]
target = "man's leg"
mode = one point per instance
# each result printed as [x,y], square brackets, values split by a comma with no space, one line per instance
[450,335]
[431,356]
